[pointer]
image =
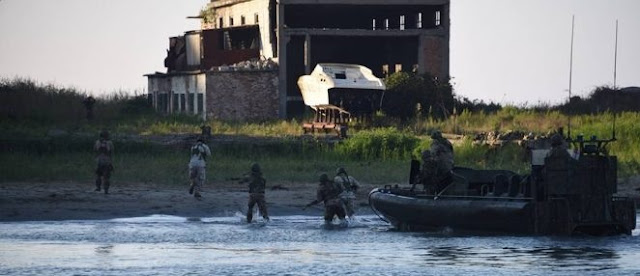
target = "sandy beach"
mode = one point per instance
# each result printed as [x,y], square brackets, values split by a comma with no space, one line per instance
[24,201]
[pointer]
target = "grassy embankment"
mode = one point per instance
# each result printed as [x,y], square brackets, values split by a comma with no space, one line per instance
[378,155]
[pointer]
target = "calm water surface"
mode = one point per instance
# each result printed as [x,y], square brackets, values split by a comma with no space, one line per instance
[295,245]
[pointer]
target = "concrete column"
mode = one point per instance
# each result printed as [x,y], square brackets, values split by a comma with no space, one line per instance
[204,106]
[446,22]
[283,40]
[169,96]
[155,100]
[171,99]
[307,54]
[187,85]
[203,78]
[422,66]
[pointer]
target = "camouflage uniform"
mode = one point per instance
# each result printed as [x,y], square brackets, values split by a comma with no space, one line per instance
[197,164]
[428,172]
[257,185]
[558,147]
[350,187]
[442,152]
[104,147]
[328,192]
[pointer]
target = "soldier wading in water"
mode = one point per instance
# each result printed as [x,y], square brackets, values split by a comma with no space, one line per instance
[104,147]
[197,164]
[350,187]
[329,193]
[257,185]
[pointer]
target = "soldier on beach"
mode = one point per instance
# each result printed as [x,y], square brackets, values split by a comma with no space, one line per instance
[442,152]
[350,187]
[329,193]
[257,185]
[104,148]
[197,164]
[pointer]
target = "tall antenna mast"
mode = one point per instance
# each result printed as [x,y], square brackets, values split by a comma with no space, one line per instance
[615,88]
[573,17]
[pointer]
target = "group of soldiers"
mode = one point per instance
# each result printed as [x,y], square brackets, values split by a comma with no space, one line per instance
[338,195]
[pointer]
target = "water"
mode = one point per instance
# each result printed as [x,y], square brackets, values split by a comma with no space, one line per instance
[295,245]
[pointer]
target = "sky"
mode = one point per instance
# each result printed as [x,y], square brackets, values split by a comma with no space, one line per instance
[506,51]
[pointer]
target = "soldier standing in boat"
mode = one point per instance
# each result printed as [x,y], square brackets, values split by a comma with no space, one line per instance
[428,172]
[350,186]
[558,146]
[104,148]
[329,193]
[442,152]
[257,185]
[197,164]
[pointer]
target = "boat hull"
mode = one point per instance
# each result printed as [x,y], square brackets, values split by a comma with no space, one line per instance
[499,214]
[464,213]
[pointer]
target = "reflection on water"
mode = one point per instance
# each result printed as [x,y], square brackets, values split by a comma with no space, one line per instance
[294,245]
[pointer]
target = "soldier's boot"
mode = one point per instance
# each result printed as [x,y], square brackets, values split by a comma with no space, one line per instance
[264,214]
[197,195]
[97,184]
[191,187]
[106,187]
[249,216]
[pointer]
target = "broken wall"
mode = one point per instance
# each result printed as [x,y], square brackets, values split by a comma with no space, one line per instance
[242,95]
[231,14]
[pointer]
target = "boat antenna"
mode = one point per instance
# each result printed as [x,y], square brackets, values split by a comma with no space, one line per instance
[573,17]
[615,88]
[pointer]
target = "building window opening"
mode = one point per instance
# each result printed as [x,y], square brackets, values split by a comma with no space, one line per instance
[240,39]
[419,21]
[386,24]
[385,70]
[398,67]
[437,18]
[402,22]
[373,24]
[255,19]
[242,20]
[230,21]
[341,76]
[220,23]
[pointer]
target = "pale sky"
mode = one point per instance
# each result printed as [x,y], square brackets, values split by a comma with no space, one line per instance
[507,51]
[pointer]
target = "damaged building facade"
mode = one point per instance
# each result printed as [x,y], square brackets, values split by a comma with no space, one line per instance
[243,64]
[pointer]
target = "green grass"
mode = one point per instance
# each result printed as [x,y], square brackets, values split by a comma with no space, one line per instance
[171,168]
[377,151]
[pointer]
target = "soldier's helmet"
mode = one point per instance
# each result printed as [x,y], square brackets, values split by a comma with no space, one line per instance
[324,178]
[341,170]
[436,134]
[255,167]
[104,134]
[556,140]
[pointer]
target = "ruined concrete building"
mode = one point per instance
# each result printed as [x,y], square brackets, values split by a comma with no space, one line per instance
[246,59]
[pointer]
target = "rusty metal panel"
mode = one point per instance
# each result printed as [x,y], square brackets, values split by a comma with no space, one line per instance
[214,53]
